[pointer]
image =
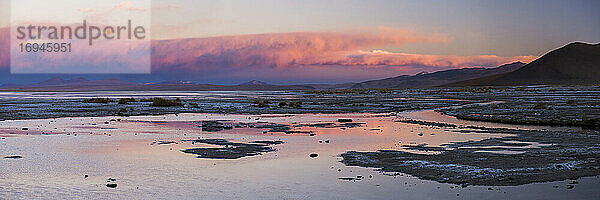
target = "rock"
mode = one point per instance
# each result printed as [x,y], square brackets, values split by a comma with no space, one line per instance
[212,126]
[85,176]
[347,178]
[326,141]
[111,185]
[268,142]
[231,150]
[344,120]
[165,142]
[420,134]
[24,128]
[570,187]
[314,155]
[13,157]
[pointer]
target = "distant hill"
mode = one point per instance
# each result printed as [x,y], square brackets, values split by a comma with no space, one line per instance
[331,86]
[57,82]
[177,83]
[423,80]
[80,84]
[254,82]
[574,64]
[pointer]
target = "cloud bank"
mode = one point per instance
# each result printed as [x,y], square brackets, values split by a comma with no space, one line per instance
[281,51]
[350,55]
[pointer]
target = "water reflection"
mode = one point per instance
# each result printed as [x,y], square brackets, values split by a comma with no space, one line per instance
[126,149]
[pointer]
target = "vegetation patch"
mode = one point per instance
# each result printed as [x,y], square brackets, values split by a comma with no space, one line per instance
[97,100]
[162,102]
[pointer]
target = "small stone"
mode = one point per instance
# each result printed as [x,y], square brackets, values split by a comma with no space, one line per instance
[570,187]
[111,185]
[314,155]
[344,120]
[13,157]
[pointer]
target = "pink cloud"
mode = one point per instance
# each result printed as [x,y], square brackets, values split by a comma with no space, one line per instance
[105,56]
[127,5]
[281,49]
[4,49]
[309,55]
[83,10]
[383,58]
[167,7]
[301,49]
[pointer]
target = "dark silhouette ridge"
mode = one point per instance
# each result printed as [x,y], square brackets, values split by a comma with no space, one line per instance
[574,64]
[423,80]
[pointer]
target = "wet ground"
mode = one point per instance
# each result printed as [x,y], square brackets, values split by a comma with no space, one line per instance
[535,105]
[369,155]
[147,157]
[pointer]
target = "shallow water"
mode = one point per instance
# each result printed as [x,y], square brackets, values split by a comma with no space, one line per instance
[54,165]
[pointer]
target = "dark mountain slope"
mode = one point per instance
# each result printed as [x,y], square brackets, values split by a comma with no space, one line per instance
[438,78]
[574,64]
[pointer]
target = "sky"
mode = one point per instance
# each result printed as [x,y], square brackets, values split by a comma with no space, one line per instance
[329,41]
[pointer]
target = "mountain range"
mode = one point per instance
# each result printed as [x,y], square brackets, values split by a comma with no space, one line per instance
[81,84]
[424,80]
[574,64]
[254,82]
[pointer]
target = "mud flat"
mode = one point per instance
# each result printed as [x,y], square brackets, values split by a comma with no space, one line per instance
[527,156]
[57,105]
[539,105]
[543,105]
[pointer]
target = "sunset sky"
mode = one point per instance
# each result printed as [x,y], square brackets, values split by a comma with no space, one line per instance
[323,41]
